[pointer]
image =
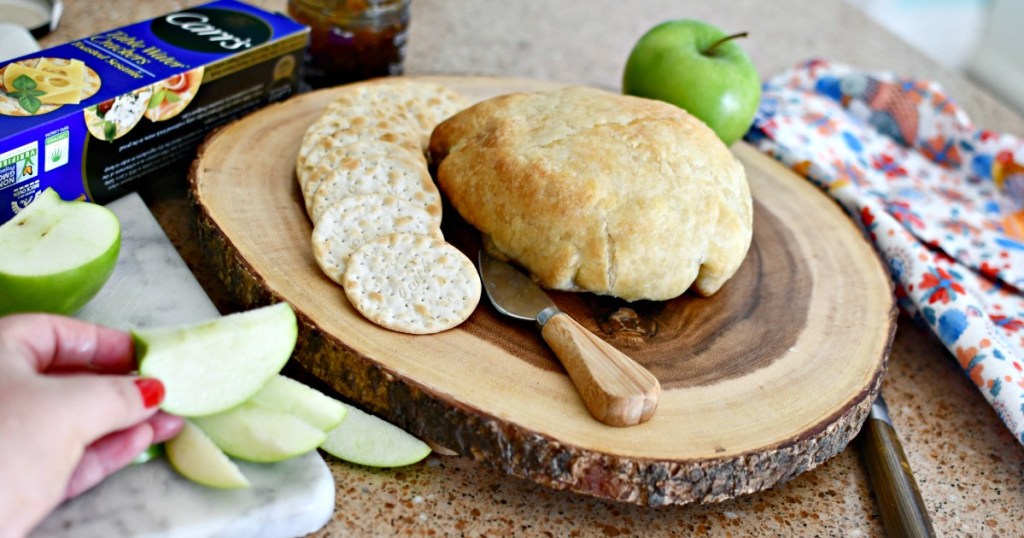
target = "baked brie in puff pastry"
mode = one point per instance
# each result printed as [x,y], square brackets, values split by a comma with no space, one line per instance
[591,190]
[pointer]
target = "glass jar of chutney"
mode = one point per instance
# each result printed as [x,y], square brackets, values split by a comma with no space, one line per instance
[352,39]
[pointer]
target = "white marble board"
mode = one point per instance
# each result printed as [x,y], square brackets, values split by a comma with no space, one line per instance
[151,287]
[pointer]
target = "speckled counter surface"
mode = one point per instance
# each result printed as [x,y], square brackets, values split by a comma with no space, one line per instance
[969,469]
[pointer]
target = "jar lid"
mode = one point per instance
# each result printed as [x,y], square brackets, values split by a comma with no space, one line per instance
[39,17]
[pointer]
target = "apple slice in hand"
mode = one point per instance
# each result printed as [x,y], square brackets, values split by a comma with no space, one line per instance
[215,365]
[253,433]
[151,453]
[367,440]
[57,255]
[308,404]
[197,458]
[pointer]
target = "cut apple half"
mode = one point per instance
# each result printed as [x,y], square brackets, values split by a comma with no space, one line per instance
[306,403]
[57,255]
[367,440]
[215,365]
[197,458]
[253,433]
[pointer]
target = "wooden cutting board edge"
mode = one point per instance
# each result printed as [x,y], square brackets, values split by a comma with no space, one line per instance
[540,458]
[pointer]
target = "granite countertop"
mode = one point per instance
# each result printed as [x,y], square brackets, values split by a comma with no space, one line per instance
[969,468]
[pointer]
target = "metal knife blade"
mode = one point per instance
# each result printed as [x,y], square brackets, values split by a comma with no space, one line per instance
[512,292]
[615,389]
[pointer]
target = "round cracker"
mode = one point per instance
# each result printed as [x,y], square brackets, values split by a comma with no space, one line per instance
[345,159]
[390,103]
[436,104]
[344,127]
[312,170]
[355,220]
[325,145]
[428,102]
[387,103]
[375,174]
[382,90]
[414,284]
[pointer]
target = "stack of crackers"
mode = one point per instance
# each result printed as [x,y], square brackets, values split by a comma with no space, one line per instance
[376,211]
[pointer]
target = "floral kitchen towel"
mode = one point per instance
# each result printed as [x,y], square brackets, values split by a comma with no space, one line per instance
[942,200]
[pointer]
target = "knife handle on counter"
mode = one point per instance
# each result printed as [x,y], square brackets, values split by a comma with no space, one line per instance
[616,389]
[899,500]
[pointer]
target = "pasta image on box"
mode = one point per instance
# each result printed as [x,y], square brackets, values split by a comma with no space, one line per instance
[97,117]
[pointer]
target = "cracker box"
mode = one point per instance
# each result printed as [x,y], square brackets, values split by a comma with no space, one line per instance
[97,117]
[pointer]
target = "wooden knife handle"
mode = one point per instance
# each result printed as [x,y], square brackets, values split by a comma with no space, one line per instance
[899,500]
[616,390]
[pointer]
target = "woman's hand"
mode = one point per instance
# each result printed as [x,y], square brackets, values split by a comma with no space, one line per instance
[70,413]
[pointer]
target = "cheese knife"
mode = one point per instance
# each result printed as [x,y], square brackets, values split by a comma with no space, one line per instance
[615,389]
[899,499]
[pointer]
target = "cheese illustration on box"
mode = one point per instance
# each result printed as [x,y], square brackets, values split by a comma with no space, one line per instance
[41,85]
[97,117]
[56,84]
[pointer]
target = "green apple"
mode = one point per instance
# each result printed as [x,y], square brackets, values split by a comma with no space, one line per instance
[196,457]
[215,365]
[253,433]
[367,440]
[56,255]
[699,68]
[308,404]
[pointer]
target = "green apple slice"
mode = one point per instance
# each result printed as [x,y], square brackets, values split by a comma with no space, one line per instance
[215,365]
[151,453]
[57,255]
[253,433]
[306,403]
[198,459]
[367,440]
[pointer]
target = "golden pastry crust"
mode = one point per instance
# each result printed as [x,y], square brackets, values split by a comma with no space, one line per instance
[590,190]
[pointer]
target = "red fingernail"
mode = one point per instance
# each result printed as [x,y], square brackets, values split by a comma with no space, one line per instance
[152,391]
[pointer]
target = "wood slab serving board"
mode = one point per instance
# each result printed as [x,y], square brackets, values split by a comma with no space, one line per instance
[768,378]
